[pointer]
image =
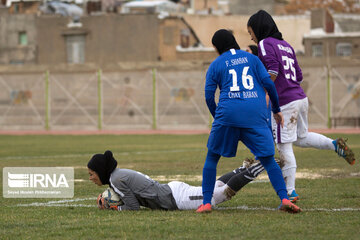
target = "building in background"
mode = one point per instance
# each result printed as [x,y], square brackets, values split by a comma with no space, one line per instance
[98,40]
[22,6]
[168,51]
[18,39]
[333,35]
[92,32]
[152,7]
[245,7]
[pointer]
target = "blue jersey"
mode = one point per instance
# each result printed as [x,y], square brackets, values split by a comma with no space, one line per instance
[241,78]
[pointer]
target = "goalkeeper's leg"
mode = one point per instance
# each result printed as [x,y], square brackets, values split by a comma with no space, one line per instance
[236,180]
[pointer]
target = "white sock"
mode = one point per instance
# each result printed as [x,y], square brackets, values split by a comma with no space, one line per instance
[287,157]
[219,196]
[219,183]
[289,177]
[315,140]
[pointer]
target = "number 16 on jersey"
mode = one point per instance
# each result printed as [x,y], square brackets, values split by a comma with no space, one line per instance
[246,80]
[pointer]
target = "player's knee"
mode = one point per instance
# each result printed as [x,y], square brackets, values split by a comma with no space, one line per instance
[301,142]
[212,160]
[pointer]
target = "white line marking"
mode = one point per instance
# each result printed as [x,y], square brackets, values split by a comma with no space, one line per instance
[56,205]
[52,203]
[245,208]
[90,154]
[65,203]
[79,180]
[275,209]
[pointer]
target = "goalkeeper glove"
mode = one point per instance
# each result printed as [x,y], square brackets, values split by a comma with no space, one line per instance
[103,203]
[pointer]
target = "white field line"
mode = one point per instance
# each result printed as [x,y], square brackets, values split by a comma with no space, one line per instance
[260,179]
[58,202]
[178,178]
[263,177]
[90,154]
[275,209]
[67,203]
[56,205]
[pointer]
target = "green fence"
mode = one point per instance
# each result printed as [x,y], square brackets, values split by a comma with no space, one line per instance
[152,99]
[146,99]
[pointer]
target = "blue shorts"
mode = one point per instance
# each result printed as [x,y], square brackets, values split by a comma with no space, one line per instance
[224,140]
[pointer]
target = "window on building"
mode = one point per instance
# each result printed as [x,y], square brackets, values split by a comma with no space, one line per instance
[75,48]
[16,8]
[168,35]
[23,39]
[185,38]
[343,49]
[317,49]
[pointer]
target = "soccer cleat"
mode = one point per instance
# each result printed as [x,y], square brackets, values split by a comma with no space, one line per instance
[204,208]
[344,151]
[287,206]
[293,197]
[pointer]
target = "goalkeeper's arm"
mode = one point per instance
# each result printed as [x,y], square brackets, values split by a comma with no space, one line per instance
[128,198]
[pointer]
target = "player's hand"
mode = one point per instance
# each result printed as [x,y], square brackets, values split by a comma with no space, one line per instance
[100,202]
[113,208]
[279,118]
[103,203]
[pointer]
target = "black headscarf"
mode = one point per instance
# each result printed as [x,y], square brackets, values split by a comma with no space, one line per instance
[224,40]
[264,26]
[254,49]
[103,165]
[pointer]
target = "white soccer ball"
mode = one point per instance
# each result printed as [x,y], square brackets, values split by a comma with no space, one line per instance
[112,198]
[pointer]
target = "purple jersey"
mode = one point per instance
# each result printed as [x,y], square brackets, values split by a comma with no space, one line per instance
[279,59]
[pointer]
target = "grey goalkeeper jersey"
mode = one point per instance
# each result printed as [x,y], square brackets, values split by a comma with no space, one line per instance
[136,189]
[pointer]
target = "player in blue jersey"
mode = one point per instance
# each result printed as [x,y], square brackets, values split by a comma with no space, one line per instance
[254,50]
[279,58]
[240,115]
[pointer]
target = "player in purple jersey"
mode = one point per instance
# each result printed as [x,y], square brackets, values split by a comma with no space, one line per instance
[240,115]
[254,50]
[279,58]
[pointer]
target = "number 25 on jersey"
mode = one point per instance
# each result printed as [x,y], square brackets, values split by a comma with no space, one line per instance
[289,64]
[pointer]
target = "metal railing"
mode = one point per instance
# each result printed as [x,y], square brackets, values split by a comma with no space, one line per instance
[152,99]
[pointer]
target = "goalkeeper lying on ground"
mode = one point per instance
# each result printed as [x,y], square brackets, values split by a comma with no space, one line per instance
[136,189]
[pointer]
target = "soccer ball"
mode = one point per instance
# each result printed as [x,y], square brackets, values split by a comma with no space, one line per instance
[112,198]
